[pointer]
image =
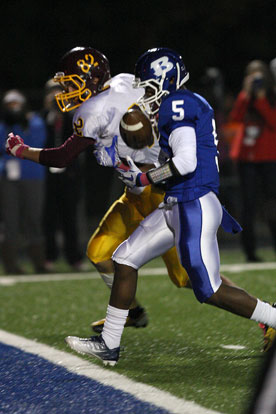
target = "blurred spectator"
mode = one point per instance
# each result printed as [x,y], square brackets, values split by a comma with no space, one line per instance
[254,150]
[212,87]
[22,186]
[63,189]
[272,66]
[213,90]
[212,84]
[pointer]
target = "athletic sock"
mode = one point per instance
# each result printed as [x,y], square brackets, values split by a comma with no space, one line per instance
[114,326]
[265,314]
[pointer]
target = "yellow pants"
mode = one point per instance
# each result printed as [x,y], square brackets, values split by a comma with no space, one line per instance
[122,218]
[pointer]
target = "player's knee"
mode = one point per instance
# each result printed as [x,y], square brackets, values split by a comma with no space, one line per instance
[203,295]
[213,300]
[121,267]
[217,298]
[123,272]
[106,266]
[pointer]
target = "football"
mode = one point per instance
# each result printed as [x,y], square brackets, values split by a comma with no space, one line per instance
[136,129]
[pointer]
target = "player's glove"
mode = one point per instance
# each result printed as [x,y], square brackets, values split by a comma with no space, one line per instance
[15,145]
[107,156]
[133,177]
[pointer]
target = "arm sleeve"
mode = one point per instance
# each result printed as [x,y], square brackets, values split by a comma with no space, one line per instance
[183,144]
[63,156]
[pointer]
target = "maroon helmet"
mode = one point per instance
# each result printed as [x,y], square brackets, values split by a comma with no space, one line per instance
[83,72]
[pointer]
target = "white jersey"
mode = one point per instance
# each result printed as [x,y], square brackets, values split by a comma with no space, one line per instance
[99,118]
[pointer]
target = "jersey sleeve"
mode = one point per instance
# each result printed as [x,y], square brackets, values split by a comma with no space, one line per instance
[178,110]
[65,154]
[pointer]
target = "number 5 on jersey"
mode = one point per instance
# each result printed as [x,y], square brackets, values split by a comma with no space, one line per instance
[177,108]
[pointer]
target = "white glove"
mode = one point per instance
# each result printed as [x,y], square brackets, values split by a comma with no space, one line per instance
[107,156]
[131,177]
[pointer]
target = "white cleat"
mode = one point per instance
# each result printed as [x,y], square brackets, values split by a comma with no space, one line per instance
[95,346]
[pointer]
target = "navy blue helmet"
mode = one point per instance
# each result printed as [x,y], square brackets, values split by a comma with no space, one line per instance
[163,71]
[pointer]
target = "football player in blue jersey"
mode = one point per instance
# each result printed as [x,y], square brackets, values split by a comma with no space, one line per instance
[192,210]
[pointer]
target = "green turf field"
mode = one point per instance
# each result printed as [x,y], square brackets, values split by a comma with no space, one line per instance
[181,351]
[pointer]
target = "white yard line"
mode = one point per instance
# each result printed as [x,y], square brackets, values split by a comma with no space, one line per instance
[241,267]
[234,347]
[105,376]
[56,277]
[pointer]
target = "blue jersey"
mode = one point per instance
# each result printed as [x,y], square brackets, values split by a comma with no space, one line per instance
[185,108]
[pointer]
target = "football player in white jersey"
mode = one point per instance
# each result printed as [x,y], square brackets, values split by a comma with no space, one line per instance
[99,102]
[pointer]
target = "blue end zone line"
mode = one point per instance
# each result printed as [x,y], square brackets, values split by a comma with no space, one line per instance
[36,378]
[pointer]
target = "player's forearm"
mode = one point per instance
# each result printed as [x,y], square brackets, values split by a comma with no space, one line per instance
[65,154]
[31,154]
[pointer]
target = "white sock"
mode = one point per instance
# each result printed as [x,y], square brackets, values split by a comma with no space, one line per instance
[265,314]
[114,326]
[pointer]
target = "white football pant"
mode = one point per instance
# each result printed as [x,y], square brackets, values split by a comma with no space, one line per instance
[192,227]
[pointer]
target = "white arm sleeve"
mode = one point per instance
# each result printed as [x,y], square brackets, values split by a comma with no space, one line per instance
[183,144]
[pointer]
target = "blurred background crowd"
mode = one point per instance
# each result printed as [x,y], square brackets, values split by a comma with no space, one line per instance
[46,214]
